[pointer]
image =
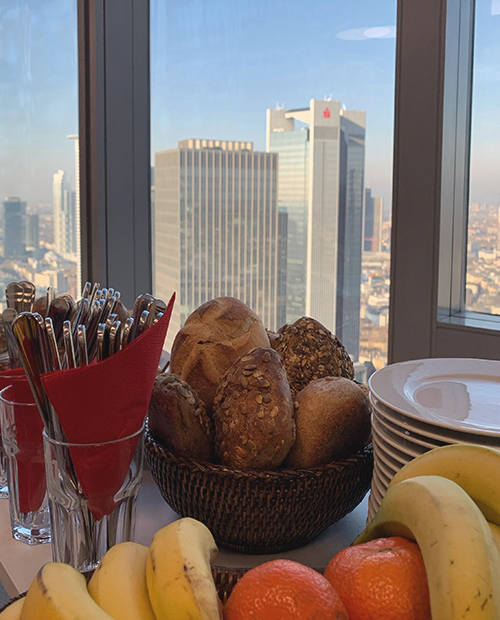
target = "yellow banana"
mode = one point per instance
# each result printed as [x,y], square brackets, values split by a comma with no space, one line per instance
[460,556]
[119,584]
[179,575]
[473,467]
[13,611]
[495,530]
[59,592]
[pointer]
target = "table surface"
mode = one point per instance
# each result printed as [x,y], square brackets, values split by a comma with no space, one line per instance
[19,562]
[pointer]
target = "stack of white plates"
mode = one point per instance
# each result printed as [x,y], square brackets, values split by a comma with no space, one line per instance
[422,404]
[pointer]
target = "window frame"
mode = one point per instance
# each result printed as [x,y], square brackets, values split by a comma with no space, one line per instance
[114,129]
[427,316]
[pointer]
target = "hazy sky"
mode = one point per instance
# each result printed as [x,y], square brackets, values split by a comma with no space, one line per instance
[217,65]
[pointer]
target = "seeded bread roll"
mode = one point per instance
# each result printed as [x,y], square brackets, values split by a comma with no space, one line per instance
[178,420]
[253,412]
[333,419]
[310,351]
[213,337]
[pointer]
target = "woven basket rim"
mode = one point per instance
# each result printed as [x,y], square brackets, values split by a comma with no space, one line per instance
[264,474]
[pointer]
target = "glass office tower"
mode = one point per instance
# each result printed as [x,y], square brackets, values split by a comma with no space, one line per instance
[321,185]
[216,227]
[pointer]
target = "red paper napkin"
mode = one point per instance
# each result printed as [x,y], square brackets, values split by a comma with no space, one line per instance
[29,426]
[103,402]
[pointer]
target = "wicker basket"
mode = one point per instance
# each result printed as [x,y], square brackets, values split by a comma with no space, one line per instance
[251,511]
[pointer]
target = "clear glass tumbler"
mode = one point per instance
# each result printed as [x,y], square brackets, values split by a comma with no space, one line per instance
[4,486]
[92,492]
[23,445]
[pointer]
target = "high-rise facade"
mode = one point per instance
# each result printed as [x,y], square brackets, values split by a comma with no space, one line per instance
[216,227]
[373,222]
[378,220]
[14,245]
[64,216]
[32,232]
[77,227]
[321,185]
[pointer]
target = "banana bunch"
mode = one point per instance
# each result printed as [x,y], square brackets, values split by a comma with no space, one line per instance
[448,501]
[171,579]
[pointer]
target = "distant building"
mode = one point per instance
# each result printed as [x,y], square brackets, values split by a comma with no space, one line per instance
[321,187]
[64,216]
[77,226]
[32,232]
[14,245]
[368,221]
[216,227]
[373,222]
[378,220]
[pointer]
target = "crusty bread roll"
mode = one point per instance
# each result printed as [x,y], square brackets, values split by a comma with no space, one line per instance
[212,338]
[333,420]
[310,351]
[177,419]
[253,412]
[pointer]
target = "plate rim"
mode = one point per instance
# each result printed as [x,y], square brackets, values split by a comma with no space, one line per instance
[415,414]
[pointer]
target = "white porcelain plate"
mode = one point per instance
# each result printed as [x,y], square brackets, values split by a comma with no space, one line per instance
[456,393]
[438,436]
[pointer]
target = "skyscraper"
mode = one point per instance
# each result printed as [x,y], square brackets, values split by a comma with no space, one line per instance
[321,184]
[373,222]
[14,245]
[378,220]
[32,232]
[64,216]
[216,227]
[77,227]
[369,221]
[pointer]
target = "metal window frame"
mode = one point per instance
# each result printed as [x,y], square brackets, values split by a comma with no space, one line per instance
[430,187]
[115,152]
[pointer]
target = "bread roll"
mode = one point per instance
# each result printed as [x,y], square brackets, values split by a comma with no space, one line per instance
[310,351]
[253,412]
[212,338]
[178,420]
[333,420]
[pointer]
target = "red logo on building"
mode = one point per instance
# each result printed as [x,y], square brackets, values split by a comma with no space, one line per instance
[326,113]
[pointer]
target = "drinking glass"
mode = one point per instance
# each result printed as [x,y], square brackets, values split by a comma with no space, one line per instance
[23,445]
[92,491]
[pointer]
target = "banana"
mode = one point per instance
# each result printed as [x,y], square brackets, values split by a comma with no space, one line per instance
[495,530]
[475,468]
[59,592]
[460,556]
[119,583]
[178,571]
[13,611]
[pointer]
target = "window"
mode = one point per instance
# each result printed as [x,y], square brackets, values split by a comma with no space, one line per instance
[39,149]
[266,188]
[432,149]
[482,288]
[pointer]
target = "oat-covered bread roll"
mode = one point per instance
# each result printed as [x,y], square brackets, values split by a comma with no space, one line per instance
[333,419]
[253,412]
[178,420]
[213,337]
[310,351]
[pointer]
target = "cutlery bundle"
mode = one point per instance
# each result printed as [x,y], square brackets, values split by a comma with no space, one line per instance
[70,334]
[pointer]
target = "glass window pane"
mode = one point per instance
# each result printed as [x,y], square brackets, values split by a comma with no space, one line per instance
[272,137]
[483,265]
[39,183]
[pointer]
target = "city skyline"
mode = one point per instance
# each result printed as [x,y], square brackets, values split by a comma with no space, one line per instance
[236,62]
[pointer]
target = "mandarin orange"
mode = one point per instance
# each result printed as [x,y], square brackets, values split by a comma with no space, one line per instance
[283,590]
[383,579]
